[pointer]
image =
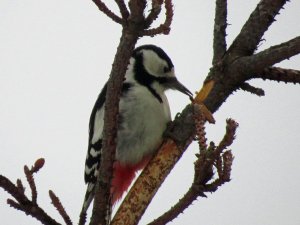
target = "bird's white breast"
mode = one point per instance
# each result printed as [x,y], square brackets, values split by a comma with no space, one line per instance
[143,119]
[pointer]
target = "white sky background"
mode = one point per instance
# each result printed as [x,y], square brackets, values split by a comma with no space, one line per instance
[55,57]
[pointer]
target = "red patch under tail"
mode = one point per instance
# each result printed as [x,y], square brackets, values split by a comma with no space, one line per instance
[123,176]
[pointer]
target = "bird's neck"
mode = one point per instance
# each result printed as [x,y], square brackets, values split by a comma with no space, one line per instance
[137,75]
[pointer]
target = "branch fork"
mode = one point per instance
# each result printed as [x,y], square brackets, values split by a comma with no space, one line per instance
[30,207]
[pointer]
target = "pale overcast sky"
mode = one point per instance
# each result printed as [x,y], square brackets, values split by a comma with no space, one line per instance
[55,57]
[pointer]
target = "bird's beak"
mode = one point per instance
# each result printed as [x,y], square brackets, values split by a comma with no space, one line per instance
[173,83]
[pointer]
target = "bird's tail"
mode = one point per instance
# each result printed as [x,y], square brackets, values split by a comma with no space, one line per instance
[88,198]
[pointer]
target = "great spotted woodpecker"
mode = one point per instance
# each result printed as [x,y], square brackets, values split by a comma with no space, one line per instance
[143,116]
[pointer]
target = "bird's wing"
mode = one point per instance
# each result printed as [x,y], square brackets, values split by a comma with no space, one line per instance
[95,138]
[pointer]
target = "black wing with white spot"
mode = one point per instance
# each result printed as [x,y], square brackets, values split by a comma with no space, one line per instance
[95,138]
[93,157]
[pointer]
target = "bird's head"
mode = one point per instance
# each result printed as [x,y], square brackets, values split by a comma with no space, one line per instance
[154,67]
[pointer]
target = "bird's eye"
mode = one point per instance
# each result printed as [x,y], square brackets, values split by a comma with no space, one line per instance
[166,69]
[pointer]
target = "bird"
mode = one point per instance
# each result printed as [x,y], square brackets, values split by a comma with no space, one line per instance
[144,113]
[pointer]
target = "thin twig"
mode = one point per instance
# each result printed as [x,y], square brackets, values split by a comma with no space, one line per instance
[253,90]
[103,8]
[165,27]
[154,12]
[20,186]
[227,165]
[219,45]
[169,13]
[14,204]
[13,190]
[123,9]
[178,208]
[31,183]
[57,204]
[229,136]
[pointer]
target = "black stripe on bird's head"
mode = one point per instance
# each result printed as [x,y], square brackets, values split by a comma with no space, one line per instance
[154,69]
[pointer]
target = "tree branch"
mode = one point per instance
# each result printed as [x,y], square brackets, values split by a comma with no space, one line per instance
[34,211]
[253,90]
[137,12]
[179,207]
[22,203]
[219,44]
[207,158]
[155,10]
[275,54]
[103,8]
[255,27]
[165,27]
[59,207]
[31,183]
[231,73]
[102,190]
[280,75]
[123,9]
[13,190]
[228,137]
